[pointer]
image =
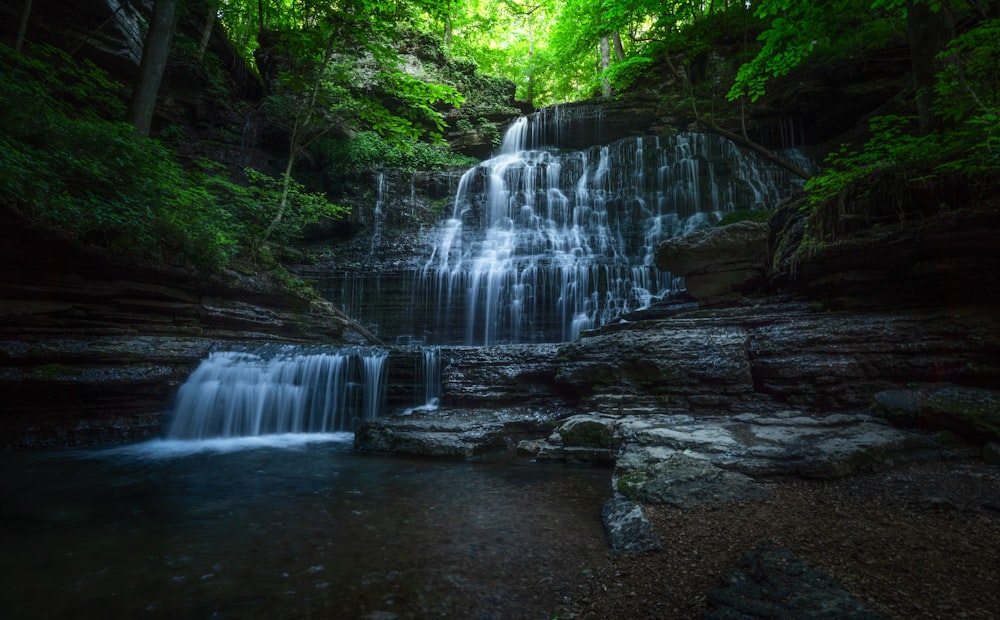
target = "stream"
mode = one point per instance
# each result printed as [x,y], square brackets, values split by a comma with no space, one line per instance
[290,526]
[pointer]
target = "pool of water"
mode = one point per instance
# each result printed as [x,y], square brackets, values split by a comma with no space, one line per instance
[291,527]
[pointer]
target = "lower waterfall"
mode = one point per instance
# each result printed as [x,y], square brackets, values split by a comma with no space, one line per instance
[275,390]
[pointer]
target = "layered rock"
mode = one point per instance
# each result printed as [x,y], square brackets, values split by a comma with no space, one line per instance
[970,412]
[727,359]
[718,264]
[885,259]
[91,349]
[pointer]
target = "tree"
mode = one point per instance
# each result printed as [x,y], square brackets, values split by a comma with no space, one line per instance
[142,104]
[22,27]
[335,70]
[931,27]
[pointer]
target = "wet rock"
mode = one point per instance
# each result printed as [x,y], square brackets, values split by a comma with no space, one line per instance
[991,453]
[718,264]
[900,407]
[685,461]
[769,582]
[970,412]
[461,434]
[587,438]
[627,528]
[681,479]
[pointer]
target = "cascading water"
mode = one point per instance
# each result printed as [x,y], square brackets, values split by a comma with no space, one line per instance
[542,244]
[430,374]
[275,390]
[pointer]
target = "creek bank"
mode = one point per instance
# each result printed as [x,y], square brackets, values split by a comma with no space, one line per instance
[703,406]
[91,349]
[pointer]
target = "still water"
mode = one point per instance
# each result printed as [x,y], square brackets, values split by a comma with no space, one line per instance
[290,527]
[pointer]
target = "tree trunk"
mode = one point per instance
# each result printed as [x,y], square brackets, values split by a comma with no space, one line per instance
[447,27]
[619,48]
[206,33]
[155,50]
[22,28]
[929,33]
[605,64]
[531,53]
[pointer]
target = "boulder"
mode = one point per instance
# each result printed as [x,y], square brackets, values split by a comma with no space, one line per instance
[718,264]
[460,434]
[901,407]
[685,461]
[971,412]
[585,438]
[627,528]
[768,582]
[682,480]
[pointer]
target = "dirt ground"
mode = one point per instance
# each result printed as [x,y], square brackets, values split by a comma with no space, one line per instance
[921,540]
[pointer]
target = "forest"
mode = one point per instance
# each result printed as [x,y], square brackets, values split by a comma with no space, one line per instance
[83,156]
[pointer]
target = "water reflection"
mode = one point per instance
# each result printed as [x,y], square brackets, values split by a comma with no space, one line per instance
[309,529]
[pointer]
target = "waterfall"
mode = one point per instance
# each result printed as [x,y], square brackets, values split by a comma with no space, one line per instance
[284,389]
[432,376]
[542,243]
[429,375]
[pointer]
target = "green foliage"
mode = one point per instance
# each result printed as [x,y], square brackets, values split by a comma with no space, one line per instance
[368,151]
[799,30]
[622,75]
[968,87]
[92,180]
[969,145]
[745,215]
[254,204]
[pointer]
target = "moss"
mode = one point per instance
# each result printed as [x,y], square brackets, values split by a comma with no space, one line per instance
[745,215]
[968,411]
[631,485]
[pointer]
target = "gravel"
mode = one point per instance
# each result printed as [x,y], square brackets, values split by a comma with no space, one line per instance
[921,540]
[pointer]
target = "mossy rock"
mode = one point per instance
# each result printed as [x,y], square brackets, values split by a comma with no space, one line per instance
[589,431]
[970,412]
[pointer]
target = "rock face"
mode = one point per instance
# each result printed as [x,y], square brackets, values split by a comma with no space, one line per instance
[726,359]
[718,264]
[969,412]
[656,366]
[879,259]
[484,376]
[92,349]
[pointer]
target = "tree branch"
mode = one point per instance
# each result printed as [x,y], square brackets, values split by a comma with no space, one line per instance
[756,148]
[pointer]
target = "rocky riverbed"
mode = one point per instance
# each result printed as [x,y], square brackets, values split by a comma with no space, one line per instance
[768,459]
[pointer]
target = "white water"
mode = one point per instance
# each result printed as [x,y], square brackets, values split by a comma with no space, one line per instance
[542,244]
[274,391]
[163,449]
